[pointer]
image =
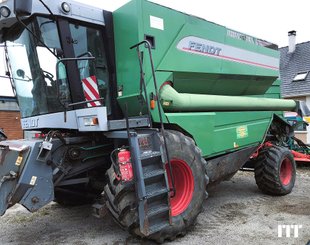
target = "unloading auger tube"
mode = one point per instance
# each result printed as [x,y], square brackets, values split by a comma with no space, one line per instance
[171,100]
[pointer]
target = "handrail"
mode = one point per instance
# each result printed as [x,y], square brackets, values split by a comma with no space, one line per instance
[142,81]
[148,46]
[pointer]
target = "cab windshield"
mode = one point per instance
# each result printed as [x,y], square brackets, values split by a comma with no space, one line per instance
[33,66]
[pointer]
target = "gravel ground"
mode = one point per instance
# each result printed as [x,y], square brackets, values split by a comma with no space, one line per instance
[235,212]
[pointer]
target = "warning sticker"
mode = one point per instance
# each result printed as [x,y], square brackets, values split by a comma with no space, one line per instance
[157,23]
[166,103]
[33,180]
[19,160]
[242,132]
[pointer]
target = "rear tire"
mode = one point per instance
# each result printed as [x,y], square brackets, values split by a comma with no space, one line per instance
[188,166]
[275,170]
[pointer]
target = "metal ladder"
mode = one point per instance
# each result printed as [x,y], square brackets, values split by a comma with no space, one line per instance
[151,181]
[153,189]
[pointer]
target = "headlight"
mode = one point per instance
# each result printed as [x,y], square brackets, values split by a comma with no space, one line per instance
[65,7]
[5,11]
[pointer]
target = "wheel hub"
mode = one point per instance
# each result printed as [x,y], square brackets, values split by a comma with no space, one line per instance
[286,171]
[184,186]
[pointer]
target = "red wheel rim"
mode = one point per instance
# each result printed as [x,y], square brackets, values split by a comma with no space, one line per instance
[184,185]
[286,171]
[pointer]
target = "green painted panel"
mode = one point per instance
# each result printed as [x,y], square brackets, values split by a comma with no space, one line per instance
[277,82]
[227,124]
[199,57]
[220,84]
[126,33]
[207,67]
[216,133]
[135,104]
[199,125]
[274,90]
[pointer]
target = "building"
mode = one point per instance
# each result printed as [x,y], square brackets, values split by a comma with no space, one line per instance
[10,118]
[294,74]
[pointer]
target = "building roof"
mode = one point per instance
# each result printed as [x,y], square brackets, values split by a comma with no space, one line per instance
[7,99]
[8,104]
[292,64]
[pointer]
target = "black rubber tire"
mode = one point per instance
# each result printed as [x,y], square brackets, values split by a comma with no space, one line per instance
[121,199]
[268,170]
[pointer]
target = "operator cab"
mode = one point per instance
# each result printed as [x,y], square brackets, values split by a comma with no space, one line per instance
[56,55]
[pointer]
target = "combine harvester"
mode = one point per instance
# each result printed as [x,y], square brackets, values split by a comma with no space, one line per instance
[140,109]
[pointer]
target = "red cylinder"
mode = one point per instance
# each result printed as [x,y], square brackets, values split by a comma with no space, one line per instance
[125,166]
[123,156]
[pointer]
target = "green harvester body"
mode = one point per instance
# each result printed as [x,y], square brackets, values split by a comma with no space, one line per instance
[139,110]
[224,82]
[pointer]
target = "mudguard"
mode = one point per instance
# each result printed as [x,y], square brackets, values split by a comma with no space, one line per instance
[24,179]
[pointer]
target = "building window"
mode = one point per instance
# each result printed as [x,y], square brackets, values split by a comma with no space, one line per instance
[300,76]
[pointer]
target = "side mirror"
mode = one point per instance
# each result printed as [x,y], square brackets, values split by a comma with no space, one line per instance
[22,7]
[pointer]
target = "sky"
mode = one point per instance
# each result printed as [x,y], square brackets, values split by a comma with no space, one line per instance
[269,20]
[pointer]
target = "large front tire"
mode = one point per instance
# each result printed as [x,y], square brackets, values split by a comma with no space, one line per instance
[275,170]
[190,182]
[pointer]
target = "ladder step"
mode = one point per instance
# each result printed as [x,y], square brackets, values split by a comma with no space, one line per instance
[157,227]
[157,209]
[143,135]
[155,190]
[153,173]
[152,185]
[150,154]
